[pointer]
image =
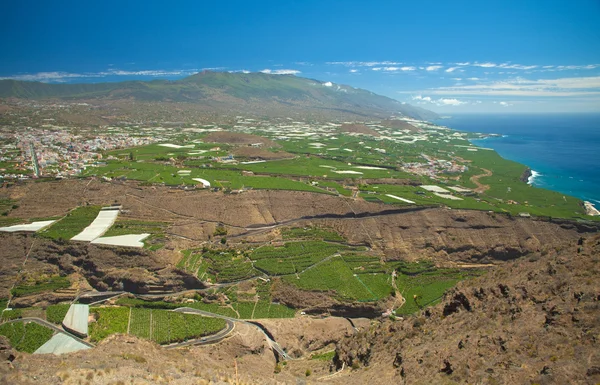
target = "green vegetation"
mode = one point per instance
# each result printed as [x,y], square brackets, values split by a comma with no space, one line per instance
[333,275]
[26,337]
[124,227]
[164,326]
[12,314]
[228,265]
[109,320]
[311,233]
[293,257]
[56,313]
[72,224]
[427,288]
[140,303]
[327,356]
[44,284]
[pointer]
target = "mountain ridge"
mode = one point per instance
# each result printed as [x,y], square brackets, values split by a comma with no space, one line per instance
[208,87]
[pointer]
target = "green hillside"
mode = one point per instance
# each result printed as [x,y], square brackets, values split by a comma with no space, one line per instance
[226,88]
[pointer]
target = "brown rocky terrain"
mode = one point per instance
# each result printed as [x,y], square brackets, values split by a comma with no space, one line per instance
[534,320]
[451,238]
[399,125]
[104,268]
[259,153]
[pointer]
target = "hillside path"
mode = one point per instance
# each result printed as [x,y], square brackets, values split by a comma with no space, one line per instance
[481,188]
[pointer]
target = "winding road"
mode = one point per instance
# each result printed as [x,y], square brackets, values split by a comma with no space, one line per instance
[481,188]
[274,345]
[49,325]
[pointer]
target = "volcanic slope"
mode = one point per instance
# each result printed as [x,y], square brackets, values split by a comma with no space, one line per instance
[230,90]
[534,320]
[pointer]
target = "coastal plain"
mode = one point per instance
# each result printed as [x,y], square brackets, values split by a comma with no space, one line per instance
[292,247]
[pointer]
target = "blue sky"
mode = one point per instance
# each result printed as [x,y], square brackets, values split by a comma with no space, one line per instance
[448,56]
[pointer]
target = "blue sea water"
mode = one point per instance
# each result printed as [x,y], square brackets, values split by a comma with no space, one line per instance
[562,149]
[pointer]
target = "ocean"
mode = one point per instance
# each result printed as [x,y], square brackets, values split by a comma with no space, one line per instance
[561,149]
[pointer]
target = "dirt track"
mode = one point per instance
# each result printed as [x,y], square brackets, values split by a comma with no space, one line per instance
[481,188]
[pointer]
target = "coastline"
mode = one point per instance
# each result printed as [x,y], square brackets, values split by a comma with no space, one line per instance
[590,209]
[560,149]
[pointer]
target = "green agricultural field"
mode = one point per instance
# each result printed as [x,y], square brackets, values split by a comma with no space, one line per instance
[139,323]
[293,257]
[190,261]
[427,288]
[336,276]
[124,227]
[12,314]
[56,313]
[42,285]
[311,233]
[140,303]
[109,320]
[72,224]
[228,265]
[26,337]
[165,327]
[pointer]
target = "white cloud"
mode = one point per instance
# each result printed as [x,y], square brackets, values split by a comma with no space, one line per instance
[463,64]
[280,72]
[328,84]
[484,65]
[56,76]
[391,69]
[376,68]
[440,102]
[451,69]
[433,68]
[419,97]
[504,104]
[353,71]
[59,76]
[362,63]
[450,102]
[517,66]
[523,87]
[408,68]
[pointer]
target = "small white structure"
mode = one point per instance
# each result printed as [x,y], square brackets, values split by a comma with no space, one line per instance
[129,240]
[76,320]
[370,168]
[347,172]
[204,182]
[99,226]
[400,199]
[460,189]
[61,344]
[170,145]
[436,189]
[34,226]
[448,196]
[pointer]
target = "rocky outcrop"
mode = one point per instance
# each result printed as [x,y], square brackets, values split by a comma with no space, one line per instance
[526,174]
[531,320]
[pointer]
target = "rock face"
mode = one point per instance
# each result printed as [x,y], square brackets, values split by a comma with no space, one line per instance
[534,320]
[104,268]
[526,174]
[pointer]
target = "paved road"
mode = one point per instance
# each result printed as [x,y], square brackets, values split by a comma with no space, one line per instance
[212,339]
[274,345]
[49,325]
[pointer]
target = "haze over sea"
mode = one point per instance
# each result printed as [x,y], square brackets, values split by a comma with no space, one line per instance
[561,149]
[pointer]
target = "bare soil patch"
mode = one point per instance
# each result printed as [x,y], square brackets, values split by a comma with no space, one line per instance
[360,129]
